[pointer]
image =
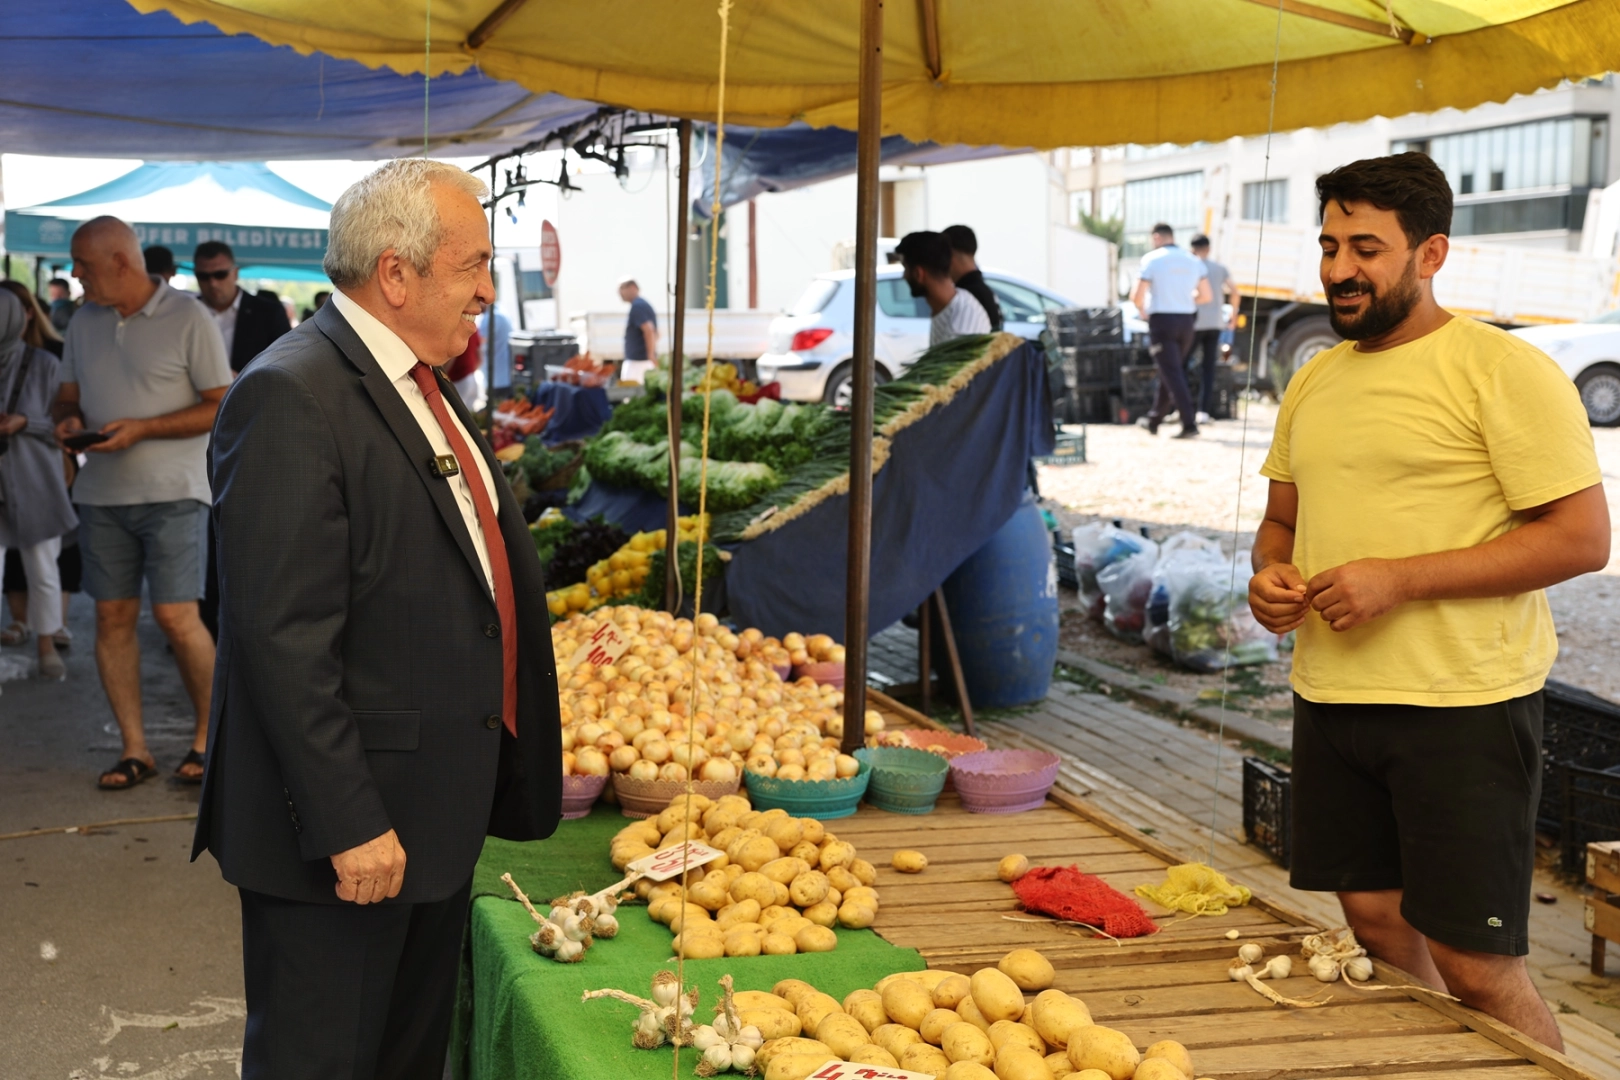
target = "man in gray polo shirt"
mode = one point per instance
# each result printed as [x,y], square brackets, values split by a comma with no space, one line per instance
[145,367]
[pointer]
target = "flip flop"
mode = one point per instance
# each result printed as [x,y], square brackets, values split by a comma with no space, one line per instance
[15,634]
[192,758]
[133,770]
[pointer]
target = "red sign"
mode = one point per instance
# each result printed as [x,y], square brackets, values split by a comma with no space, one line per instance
[845,1070]
[550,253]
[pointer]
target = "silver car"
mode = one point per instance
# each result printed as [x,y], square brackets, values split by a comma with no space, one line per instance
[1589,353]
[811,346]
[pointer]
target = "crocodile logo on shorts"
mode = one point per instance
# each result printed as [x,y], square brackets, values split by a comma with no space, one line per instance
[1493,921]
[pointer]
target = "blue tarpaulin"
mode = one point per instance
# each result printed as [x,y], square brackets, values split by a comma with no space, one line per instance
[952,479]
[580,410]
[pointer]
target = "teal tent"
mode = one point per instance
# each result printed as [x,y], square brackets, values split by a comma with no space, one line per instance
[269,223]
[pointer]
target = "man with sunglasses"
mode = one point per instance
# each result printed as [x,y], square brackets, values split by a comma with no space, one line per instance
[249,323]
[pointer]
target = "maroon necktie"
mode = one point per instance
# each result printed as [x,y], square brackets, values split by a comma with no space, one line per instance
[498,567]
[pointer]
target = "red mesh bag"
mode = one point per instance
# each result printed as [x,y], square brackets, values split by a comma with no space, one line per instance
[1066,893]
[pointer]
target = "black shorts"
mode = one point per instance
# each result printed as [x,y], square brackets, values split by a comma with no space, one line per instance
[1437,802]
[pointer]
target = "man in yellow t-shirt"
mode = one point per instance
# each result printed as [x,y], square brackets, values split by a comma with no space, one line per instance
[1429,478]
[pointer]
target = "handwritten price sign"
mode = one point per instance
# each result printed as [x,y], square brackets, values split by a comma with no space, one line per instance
[845,1070]
[602,648]
[663,865]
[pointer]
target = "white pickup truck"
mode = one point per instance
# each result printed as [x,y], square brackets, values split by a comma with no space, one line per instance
[738,334]
[1510,285]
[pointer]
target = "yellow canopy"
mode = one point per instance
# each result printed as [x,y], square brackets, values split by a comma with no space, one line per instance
[1038,73]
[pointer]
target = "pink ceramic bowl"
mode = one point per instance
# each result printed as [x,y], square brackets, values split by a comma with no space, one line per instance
[1004,781]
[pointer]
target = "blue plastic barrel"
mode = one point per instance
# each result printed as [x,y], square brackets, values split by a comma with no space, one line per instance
[1004,610]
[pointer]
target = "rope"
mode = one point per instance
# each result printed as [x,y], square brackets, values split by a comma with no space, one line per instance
[71,829]
[703,472]
[1243,442]
[427,72]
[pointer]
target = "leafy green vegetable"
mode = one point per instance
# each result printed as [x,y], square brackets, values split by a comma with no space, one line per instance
[732,484]
[550,536]
[539,464]
[652,590]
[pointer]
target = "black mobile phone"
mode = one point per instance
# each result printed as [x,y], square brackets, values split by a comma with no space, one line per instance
[83,440]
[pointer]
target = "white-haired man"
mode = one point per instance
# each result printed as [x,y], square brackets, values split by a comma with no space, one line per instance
[385,682]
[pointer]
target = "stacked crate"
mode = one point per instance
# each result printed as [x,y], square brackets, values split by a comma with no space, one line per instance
[1090,349]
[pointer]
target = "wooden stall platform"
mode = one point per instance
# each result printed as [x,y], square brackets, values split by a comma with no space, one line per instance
[1172,984]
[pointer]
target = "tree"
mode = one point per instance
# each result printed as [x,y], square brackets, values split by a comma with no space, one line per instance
[1110,229]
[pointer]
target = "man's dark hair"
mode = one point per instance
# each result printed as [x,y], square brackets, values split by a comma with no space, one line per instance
[1161,229]
[1199,241]
[929,250]
[961,238]
[62,281]
[159,260]
[213,249]
[1410,184]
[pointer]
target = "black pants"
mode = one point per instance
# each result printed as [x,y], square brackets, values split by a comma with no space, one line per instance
[1207,343]
[345,992]
[208,607]
[1172,339]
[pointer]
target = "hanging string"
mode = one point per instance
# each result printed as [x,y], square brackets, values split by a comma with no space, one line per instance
[703,466]
[1243,442]
[321,86]
[427,70]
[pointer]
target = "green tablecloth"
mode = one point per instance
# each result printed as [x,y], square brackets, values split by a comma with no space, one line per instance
[520,1014]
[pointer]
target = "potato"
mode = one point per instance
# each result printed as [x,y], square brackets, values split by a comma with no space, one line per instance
[773,912]
[1098,1047]
[1056,1015]
[755,852]
[864,872]
[837,853]
[909,862]
[690,913]
[772,1023]
[1028,968]
[997,996]
[907,1003]
[814,831]
[1087,1074]
[970,1012]
[813,938]
[701,946]
[841,878]
[968,1070]
[809,888]
[625,854]
[815,1007]
[1014,1062]
[862,894]
[843,1033]
[796,1066]
[792,991]
[873,1054]
[1059,1064]
[823,914]
[1158,1069]
[895,1038]
[1174,1053]
[784,870]
[739,942]
[1011,1032]
[964,1042]
[785,831]
[774,1048]
[867,1007]
[1012,867]
[950,991]
[856,916]
[920,1057]
[788,924]
[932,1029]
[810,853]
[725,837]
[754,886]
[760,999]
[778,945]
[744,911]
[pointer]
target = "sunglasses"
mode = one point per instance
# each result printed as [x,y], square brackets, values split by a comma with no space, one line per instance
[215,275]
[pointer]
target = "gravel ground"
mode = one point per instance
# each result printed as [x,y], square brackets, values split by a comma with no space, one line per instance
[1168,485]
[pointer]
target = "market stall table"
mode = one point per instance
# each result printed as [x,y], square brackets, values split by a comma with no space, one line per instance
[526,1017]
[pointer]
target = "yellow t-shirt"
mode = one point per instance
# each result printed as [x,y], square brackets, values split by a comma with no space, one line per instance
[1429,446]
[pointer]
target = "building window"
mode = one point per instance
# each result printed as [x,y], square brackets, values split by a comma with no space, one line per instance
[1266,200]
[1565,151]
[1173,200]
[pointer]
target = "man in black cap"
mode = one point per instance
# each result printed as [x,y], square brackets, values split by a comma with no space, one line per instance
[965,270]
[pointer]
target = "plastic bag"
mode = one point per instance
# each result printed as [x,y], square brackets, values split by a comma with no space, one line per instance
[1182,547]
[1096,547]
[1209,619]
[1125,586]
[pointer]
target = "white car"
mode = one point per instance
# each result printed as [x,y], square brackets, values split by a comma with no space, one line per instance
[1589,353]
[811,346]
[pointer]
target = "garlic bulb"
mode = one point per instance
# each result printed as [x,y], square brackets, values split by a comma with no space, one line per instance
[607,925]
[666,987]
[742,1055]
[1325,968]
[570,951]
[718,1057]
[706,1036]
[1238,972]
[1358,968]
[1251,953]
[1279,967]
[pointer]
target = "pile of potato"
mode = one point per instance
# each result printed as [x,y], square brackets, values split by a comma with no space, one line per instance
[953,1027]
[634,716]
[781,887]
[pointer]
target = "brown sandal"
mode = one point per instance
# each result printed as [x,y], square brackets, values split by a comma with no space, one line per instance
[133,770]
[192,758]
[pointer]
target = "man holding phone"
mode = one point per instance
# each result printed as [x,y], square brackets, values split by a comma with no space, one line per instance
[144,367]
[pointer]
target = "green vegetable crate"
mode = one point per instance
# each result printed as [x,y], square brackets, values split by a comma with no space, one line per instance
[1070,449]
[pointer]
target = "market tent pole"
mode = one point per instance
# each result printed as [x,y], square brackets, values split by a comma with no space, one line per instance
[868,147]
[683,202]
[489,312]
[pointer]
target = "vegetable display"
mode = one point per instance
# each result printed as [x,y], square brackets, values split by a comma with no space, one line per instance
[780,888]
[586,544]
[621,575]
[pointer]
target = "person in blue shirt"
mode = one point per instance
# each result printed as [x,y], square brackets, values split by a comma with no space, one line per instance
[1170,287]
[640,330]
[496,324]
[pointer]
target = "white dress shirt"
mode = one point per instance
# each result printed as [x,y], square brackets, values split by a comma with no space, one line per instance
[396,360]
[226,321]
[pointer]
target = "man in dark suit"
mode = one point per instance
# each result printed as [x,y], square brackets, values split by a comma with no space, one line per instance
[249,322]
[385,683]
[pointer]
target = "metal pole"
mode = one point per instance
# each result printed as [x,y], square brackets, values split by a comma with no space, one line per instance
[753,259]
[858,583]
[678,330]
[489,312]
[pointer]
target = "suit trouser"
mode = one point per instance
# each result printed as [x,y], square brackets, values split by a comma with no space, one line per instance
[349,992]
[1208,344]
[208,606]
[1172,339]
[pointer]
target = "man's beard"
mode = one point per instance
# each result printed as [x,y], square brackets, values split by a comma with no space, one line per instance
[1384,312]
[916,287]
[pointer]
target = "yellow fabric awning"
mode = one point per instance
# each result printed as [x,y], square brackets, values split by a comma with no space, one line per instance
[1038,73]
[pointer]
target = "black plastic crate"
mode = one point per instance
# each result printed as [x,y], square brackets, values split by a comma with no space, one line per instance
[1099,363]
[1139,385]
[1063,556]
[1081,326]
[1069,449]
[1267,808]
[1579,729]
[1090,404]
[1590,801]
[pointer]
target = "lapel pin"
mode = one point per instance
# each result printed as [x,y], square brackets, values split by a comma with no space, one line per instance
[444,466]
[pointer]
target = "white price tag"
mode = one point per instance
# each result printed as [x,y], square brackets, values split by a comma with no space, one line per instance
[848,1070]
[602,648]
[665,864]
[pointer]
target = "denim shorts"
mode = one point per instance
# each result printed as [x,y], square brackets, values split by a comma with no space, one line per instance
[166,543]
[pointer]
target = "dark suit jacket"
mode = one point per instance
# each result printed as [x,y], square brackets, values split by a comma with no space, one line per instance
[259,322]
[358,680]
